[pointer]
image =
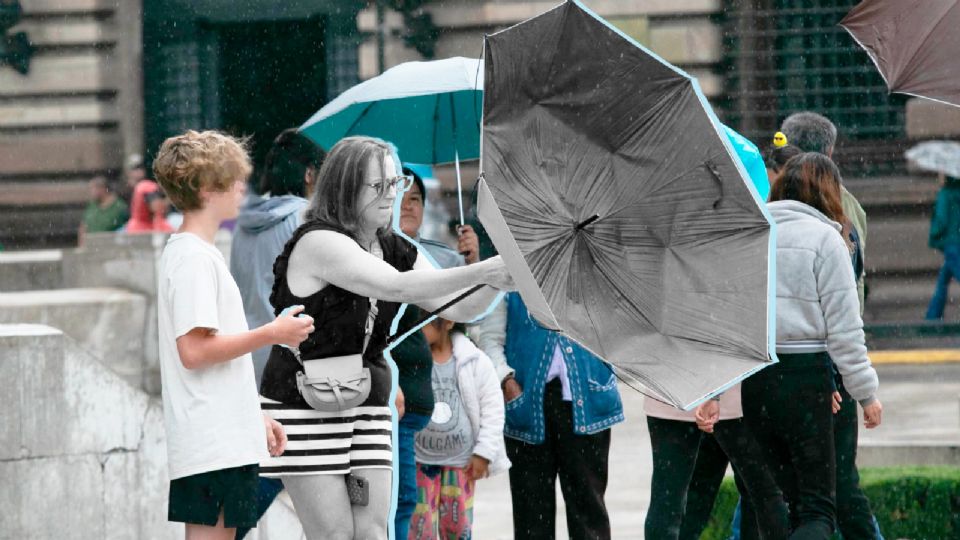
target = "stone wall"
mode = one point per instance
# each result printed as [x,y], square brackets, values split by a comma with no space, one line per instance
[76,113]
[929,119]
[681,31]
[31,270]
[127,261]
[82,453]
[103,295]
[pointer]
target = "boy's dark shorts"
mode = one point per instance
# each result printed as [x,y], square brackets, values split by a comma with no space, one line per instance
[198,499]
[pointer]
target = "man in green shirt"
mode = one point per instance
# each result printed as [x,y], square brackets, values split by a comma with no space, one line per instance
[105,213]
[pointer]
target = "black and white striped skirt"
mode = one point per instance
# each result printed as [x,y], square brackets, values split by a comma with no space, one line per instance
[329,442]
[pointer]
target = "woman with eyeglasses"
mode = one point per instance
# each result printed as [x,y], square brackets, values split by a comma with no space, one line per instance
[347,268]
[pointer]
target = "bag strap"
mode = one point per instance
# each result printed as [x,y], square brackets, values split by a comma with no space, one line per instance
[368,326]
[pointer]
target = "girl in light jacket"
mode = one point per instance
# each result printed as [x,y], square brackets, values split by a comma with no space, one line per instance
[464,440]
[788,405]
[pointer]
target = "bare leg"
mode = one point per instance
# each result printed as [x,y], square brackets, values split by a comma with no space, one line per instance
[206,532]
[323,505]
[370,522]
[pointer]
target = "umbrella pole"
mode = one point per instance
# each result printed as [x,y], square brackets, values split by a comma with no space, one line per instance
[432,314]
[456,160]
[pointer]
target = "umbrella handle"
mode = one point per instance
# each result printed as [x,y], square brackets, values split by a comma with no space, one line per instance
[393,339]
[587,221]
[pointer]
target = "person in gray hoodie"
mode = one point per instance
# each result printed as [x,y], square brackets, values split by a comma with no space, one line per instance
[267,220]
[789,405]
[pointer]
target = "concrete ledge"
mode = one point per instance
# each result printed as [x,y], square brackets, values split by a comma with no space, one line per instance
[31,270]
[107,322]
[915,453]
[63,401]
[128,261]
[82,453]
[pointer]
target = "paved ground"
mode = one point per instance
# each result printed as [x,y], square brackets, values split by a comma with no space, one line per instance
[920,404]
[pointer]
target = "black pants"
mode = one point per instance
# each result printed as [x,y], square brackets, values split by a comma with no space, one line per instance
[581,463]
[688,467]
[854,516]
[787,407]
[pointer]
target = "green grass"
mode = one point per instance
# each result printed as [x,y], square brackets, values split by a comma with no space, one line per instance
[914,503]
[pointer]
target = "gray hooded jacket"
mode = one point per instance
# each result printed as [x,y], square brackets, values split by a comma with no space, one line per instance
[817,305]
[263,228]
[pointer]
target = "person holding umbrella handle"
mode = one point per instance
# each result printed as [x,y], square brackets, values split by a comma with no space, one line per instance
[352,272]
[468,244]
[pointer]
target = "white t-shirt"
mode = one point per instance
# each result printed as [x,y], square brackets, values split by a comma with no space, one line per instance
[212,414]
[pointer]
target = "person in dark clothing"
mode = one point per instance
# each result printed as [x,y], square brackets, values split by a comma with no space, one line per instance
[266,222]
[945,237]
[414,360]
[777,156]
[689,466]
[686,476]
[708,474]
[561,403]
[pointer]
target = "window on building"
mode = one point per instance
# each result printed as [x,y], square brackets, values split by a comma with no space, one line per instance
[784,56]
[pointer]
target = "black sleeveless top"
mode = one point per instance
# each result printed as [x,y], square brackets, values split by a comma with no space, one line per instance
[339,317]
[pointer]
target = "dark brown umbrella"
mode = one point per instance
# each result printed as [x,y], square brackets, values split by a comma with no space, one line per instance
[914,43]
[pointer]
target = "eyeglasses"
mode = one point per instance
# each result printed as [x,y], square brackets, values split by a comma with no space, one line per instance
[400,183]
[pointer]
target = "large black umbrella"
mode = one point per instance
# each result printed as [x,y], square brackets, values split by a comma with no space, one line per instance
[620,208]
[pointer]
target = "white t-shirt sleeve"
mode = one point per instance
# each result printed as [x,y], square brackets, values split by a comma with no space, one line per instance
[193,295]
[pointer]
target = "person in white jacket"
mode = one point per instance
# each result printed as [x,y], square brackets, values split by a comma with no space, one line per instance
[463,441]
[788,406]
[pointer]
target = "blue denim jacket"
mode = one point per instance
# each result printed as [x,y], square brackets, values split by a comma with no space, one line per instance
[528,349]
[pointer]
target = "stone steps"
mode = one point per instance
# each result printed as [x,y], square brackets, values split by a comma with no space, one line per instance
[902,298]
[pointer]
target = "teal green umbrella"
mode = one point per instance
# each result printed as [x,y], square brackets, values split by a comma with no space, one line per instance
[429,110]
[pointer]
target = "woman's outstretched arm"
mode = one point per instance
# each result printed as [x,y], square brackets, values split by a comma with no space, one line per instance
[334,258]
[465,310]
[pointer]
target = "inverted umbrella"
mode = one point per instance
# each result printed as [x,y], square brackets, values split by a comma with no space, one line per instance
[937,156]
[429,110]
[619,208]
[914,44]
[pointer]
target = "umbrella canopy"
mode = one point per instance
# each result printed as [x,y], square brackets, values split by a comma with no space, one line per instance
[620,208]
[914,43]
[937,156]
[429,110]
[752,161]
